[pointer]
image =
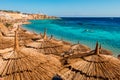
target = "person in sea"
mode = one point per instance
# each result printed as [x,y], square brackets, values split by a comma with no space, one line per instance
[87,30]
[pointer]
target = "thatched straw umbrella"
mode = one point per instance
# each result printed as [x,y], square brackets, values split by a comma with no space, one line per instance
[119,56]
[60,41]
[6,42]
[78,49]
[1,34]
[92,66]
[46,46]
[26,36]
[3,29]
[105,51]
[75,50]
[26,64]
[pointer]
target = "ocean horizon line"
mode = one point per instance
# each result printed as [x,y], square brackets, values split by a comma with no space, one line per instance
[85,17]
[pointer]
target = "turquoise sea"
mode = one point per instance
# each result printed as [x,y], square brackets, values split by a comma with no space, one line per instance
[85,30]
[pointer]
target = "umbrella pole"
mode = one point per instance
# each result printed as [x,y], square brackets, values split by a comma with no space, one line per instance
[97,49]
[45,36]
[16,44]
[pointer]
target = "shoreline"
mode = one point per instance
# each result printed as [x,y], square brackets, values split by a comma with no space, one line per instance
[84,43]
[72,43]
[47,34]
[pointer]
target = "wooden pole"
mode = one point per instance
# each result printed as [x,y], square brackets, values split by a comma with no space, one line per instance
[97,48]
[16,44]
[45,36]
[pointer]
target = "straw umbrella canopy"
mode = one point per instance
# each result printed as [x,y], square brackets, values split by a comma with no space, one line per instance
[1,34]
[46,46]
[26,64]
[6,42]
[92,66]
[78,49]
[119,56]
[3,29]
[75,50]
[60,41]
[66,45]
[105,51]
[26,36]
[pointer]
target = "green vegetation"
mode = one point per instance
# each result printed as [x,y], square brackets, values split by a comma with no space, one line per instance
[10,11]
[8,24]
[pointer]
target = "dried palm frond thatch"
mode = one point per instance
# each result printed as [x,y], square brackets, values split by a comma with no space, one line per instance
[105,51]
[26,64]
[46,46]
[26,34]
[119,56]
[92,66]
[6,42]
[1,34]
[78,49]
[3,29]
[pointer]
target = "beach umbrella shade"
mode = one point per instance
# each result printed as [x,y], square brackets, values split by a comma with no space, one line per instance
[75,50]
[24,36]
[6,42]
[1,34]
[60,41]
[26,64]
[66,44]
[46,46]
[3,29]
[92,66]
[79,49]
[105,51]
[119,56]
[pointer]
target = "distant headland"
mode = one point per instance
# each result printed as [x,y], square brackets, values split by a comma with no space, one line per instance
[9,17]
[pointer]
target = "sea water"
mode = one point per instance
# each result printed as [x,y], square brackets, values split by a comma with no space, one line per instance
[83,30]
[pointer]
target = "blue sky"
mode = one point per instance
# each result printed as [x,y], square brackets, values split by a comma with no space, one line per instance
[82,8]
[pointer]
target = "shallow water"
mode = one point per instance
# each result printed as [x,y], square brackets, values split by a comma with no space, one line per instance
[85,30]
